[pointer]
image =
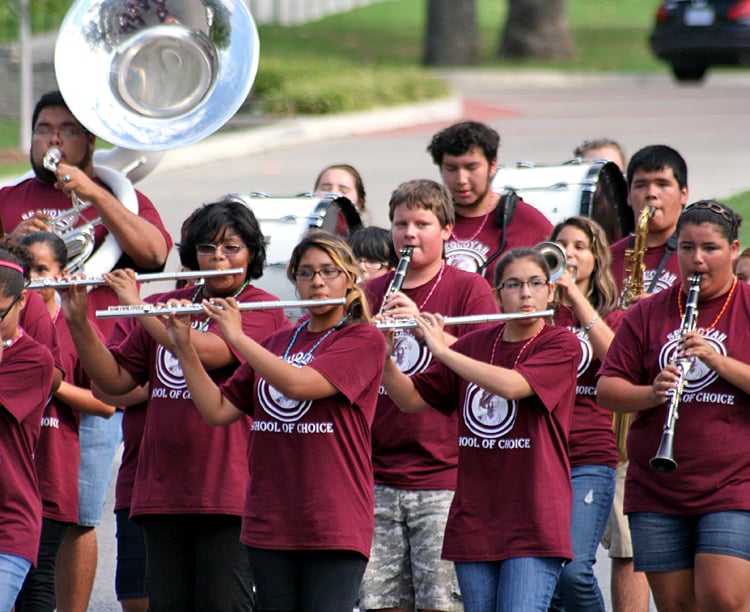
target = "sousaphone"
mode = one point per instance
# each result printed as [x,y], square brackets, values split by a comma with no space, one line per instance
[151,75]
[148,76]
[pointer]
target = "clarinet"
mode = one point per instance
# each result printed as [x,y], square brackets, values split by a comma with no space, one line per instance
[399,275]
[664,461]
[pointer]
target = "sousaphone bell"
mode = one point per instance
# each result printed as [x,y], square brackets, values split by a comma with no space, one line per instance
[150,75]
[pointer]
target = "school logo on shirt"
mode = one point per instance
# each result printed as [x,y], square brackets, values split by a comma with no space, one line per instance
[169,370]
[278,405]
[587,351]
[408,354]
[488,415]
[699,376]
[467,255]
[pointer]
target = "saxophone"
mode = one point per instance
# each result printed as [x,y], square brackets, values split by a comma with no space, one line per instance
[632,283]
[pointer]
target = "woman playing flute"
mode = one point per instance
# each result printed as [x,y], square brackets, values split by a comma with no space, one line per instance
[190,483]
[308,517]
[513,384]
[691,526]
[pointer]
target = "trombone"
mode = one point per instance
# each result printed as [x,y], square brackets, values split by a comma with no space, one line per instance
[96,281]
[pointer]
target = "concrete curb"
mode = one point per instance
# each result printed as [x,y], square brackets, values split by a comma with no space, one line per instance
[300,130]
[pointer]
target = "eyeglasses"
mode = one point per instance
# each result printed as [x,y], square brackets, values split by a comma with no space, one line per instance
[6,312]
[228,250]
[45,132]
[514,284]
[370,265]
[307,274]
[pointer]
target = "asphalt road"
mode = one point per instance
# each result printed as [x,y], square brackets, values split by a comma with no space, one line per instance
[541,118]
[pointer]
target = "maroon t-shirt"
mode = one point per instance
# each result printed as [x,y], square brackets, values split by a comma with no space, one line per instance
[133,421]
[513,495]
[469,246]
[185,465]
[710,443]
[419,451]
[651,259]
[592,439]
[22,201]
[25,385]
[35,321]
[311,484]
[58,451]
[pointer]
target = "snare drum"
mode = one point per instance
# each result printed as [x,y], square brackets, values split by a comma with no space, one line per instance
[284,220]
[595,189]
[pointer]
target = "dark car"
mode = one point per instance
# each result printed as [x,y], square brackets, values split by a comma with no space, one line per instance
[694,34]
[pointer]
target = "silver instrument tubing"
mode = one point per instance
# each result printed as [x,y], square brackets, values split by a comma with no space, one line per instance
[152,310]
[469,319]
[96,281]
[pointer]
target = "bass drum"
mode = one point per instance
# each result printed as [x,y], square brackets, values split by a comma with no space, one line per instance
[284,220]
[595,189]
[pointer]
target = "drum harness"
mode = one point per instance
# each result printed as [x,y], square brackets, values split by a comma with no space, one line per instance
[503,216]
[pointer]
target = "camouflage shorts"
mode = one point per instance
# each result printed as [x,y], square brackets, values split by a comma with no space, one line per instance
[405,568]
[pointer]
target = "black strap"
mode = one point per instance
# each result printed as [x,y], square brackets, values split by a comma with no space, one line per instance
[503,216]
[669,248]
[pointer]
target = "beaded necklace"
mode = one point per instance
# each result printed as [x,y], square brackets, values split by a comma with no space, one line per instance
[523,348]
[723,307]
[434,286]
[479,231]
[203,326]
[308,355]
[8,343]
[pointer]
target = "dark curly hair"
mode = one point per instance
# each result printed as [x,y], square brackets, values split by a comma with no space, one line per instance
[210,222]
[459,138]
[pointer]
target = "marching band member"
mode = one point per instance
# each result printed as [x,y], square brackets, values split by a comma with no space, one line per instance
[690,526]
[415,456]
[657,178]
[508,531]
[58,450]
[26,370]
[309,511]
[587,307]
[486,226]
[32,205]
[189,487]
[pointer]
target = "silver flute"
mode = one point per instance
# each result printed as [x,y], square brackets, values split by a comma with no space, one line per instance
[95,281]
[153,310]
[469,319]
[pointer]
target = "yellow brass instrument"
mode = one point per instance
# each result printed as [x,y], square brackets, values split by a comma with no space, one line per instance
[632,282]
[664,461]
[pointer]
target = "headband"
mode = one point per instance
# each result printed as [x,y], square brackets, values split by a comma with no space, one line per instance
[11,265]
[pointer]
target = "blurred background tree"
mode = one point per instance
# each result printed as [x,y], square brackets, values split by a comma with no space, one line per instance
[534,29]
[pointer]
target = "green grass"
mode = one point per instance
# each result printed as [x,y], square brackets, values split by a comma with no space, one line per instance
[740,203]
